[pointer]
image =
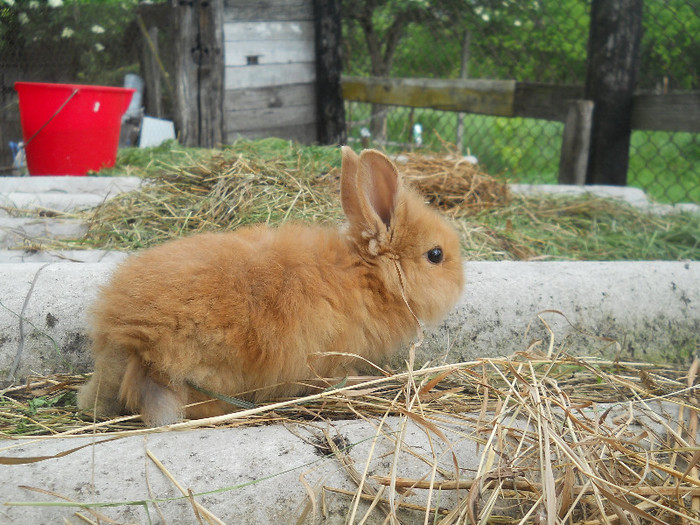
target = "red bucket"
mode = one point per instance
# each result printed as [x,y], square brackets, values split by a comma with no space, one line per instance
[70,129]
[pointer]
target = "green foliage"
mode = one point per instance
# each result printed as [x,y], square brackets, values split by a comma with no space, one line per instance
[534,40]
[670,49]
[73,40]
[666,165]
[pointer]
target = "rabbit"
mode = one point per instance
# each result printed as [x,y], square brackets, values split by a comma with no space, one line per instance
[250,313]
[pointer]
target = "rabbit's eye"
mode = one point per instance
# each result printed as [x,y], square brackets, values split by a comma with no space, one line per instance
[435,255]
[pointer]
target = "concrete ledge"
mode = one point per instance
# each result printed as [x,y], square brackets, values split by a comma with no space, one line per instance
[634,196]
[58,202]
[17,231]
[254,475]
[60,193]
[69,184]
[651,308]
[261,466]
[61,256]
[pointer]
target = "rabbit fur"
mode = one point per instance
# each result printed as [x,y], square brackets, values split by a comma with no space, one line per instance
[251,313]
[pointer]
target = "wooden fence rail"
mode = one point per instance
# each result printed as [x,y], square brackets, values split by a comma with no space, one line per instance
[508,98]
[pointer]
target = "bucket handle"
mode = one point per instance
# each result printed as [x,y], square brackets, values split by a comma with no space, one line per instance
[75,92]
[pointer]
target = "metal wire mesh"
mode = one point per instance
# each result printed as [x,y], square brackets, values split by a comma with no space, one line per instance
[532,41]
[526,40]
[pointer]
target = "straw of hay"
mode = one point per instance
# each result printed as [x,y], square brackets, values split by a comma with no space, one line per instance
[452,183]
[228,190]
[547,453]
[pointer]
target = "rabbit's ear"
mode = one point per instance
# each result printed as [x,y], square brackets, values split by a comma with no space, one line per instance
[380,180]
[349,195]
[369,189]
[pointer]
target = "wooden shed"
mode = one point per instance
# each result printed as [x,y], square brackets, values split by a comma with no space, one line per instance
[270,70]
[251,68]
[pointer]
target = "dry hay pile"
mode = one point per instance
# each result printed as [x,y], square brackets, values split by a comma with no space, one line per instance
[453,184]
[558,439]
[221,192]
[228,190]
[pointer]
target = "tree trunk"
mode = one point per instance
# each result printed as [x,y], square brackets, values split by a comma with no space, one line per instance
[463,73]
[379,112]
[199,68]
[153,91]
[613,61]
[330,113]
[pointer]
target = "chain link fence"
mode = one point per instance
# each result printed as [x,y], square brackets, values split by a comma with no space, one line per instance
[542,41]
[98,42]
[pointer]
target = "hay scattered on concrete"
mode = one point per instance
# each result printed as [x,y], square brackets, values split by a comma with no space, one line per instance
[561,439]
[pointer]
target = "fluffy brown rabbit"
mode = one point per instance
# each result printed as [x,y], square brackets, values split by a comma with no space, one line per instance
[251,313]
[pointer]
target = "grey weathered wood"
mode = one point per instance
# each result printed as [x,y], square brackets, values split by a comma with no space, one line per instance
[244,120]
[269,52]
[211,73]
[286,111]
[613,61]
[269,75]
[304,133]
[199,72]
[185,80]
[489,97]
[573,161]
[268,10]
[463,73]
[673,112]
[273,31]
[270,97]
[270,70]
[544,101]
[330,110]
[152,77]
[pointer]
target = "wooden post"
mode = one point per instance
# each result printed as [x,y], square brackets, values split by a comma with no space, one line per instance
[613,61]
[575,146]
[199,68]
[463,73]
[153,92]
[330,110]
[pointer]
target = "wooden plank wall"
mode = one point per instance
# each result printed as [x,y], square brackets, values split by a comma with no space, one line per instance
[269,79]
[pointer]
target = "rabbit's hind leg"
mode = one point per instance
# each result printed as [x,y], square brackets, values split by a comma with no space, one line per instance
[158,404]
[101,393]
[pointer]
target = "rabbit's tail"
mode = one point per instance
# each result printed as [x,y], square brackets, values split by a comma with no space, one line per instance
[122,384]
[141,393]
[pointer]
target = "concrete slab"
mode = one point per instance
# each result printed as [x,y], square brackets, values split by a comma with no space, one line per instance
[17,232]
[42,316]
[650,308]
[67,256]
[60,193]
[258,471]
[10,203]
[634,196]
[268,474]
[69,184]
